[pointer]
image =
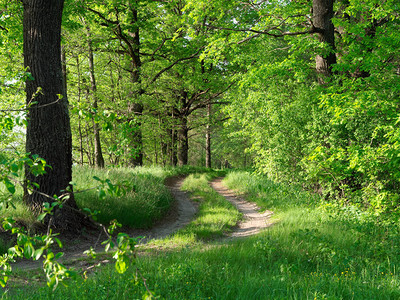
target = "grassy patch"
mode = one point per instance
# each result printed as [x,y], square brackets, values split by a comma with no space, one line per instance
[316,251]
[145,199]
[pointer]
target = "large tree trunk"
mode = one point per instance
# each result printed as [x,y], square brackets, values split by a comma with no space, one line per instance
[322,20]
[48,132]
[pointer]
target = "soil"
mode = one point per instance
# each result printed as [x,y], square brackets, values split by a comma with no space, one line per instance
[180,214]
[253,220]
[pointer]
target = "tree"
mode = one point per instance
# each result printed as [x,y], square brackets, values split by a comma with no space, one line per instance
[48,132]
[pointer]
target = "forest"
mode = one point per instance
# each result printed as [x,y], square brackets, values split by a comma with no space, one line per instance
[295,102]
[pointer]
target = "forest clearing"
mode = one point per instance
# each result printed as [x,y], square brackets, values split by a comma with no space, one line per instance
[199,149]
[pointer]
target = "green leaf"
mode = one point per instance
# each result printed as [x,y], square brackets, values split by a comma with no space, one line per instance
[38,253]
[9,185]
[121,266]
[41,216]
[14,168]
[58,242]
[28,250]
[3,281]
[102,194]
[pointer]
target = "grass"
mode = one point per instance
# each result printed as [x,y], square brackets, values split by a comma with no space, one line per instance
[145,199]
[317,250]
[215,217]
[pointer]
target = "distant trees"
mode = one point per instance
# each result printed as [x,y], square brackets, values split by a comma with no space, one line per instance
[316,101]
[150,82]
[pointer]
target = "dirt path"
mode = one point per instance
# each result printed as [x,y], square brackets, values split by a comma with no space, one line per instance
[253,221]
[180,214]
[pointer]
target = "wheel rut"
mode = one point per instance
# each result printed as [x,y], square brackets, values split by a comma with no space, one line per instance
[253,220]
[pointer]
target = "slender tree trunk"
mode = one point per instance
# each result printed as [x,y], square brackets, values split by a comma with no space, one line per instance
[48,133]
[79,117]
[174,158]
[136,145]
[89,145]
[174,146]
[98,153]
[183,142]
[208,138]
[322,19]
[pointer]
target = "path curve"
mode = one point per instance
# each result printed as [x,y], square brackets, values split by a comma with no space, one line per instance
[253,220]
[183,211]
[181,214]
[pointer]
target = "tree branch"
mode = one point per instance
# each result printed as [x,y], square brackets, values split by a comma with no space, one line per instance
[173,64]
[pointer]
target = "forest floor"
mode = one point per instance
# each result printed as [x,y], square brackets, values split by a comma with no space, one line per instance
[181,213]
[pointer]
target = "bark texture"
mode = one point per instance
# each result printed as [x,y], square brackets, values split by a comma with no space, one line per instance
[48,131]
[322,20]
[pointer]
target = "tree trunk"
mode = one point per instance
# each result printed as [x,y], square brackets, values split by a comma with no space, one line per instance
[136,108]
[183,142]
[79,117]
[98,153]
[136,139]
[322,20]
[48,133]
[208,137]
[174,145]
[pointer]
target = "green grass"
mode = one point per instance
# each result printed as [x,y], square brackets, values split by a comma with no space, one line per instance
[215,217]
[145,200]
[316,250]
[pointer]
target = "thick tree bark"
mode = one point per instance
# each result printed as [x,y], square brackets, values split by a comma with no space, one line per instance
[98,153]
[48,132]
[322,20]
